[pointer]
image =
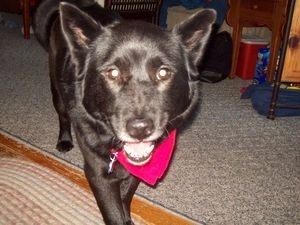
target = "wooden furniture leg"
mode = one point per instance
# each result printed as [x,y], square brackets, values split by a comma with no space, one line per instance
[236,37]
[25,6]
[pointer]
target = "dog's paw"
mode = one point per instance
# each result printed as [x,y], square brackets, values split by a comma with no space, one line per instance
[64,146]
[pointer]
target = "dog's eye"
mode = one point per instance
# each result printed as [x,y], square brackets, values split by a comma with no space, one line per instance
[113,74]
[163,74]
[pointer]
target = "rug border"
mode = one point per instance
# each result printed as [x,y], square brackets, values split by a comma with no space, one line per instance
[147,210]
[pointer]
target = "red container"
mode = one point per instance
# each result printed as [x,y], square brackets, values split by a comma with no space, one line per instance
[247,56]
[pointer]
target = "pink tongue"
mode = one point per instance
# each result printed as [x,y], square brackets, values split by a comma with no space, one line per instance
[156,167]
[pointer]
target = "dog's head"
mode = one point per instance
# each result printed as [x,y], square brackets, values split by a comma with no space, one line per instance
[135,76]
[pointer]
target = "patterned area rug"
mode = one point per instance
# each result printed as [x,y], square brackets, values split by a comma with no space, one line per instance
[33,194]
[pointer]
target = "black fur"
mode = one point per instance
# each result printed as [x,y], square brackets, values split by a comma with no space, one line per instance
[117,82]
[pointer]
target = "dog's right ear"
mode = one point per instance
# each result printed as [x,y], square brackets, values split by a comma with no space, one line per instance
[78,28]
[194,33]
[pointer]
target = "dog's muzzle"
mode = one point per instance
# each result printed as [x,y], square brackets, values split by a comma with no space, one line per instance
[139,153]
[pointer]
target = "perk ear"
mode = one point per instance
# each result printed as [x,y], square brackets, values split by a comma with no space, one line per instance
[78,28]
[194,33]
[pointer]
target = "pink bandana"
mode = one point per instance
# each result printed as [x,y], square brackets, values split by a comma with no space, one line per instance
[156,167]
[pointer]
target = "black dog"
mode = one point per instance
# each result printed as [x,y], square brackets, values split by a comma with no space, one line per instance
[123,85]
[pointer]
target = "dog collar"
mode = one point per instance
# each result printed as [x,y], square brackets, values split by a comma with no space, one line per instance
[151,172]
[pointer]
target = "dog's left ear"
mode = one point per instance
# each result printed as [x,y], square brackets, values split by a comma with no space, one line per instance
[194,33]
[78,28]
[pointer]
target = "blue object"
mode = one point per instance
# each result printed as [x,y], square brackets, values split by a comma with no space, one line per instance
[261,66]
[261,95]
[8,22]
[191,4]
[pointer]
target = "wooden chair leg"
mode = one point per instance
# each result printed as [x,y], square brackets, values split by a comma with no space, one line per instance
[25,4]
[236,37]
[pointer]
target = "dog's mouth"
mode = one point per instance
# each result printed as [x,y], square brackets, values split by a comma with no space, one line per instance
[138,153]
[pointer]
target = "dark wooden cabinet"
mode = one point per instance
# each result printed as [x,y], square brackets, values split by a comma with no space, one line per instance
[256,13]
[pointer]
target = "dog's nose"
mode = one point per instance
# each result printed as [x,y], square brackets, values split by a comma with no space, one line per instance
[140,128]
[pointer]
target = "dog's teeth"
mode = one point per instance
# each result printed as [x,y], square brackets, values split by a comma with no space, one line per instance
[138,150]
[149,149]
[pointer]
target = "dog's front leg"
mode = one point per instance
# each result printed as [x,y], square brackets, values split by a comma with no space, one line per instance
[128,188]
[113,192]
